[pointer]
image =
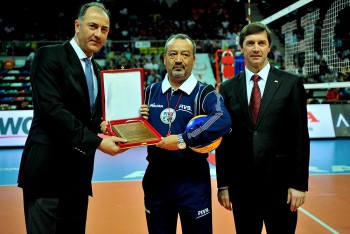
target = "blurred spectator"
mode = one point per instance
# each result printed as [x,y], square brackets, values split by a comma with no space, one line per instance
[310,97]
[123,63]
[344,74]
[29,60]
[31,56]
[134,62]
[110,64]
[161,68]
[323,71]
[108,46]
[127,53]
[333,94]
[152,65]
[332,75]
[141,59]
[153,77]
[111,55]
[277,55]
[346,93]
[9,64]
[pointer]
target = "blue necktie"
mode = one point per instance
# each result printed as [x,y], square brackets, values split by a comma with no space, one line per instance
[90,82]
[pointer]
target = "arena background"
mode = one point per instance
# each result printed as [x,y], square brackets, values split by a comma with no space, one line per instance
[312,38]
[309,38]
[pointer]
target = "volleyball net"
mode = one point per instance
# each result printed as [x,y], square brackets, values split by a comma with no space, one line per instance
[316,41]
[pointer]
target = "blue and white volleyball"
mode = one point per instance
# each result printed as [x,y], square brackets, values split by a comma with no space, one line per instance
[204,148]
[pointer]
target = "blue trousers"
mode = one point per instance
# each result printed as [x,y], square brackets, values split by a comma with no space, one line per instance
[180,193]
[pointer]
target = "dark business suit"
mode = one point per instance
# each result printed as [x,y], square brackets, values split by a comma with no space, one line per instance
[259,163]
[58,157]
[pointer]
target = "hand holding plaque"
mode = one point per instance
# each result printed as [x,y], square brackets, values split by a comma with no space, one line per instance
[122,97]
[134,132]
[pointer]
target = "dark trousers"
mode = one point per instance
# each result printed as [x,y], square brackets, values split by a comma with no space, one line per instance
[164,220]
[55,215]
[190,201]
[180,190]
[253,209]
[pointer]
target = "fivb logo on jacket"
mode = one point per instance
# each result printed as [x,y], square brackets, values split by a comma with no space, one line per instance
[168,115]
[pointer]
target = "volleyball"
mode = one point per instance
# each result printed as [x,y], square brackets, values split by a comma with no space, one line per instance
[204,148]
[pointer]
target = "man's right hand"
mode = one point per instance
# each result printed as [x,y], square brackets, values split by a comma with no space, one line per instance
[109,145]
[144,110]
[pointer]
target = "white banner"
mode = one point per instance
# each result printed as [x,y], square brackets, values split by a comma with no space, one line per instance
[320,121]
[14,127]
[203,70]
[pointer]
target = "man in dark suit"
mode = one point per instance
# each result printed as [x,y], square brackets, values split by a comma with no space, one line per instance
[57,162]
[262,165]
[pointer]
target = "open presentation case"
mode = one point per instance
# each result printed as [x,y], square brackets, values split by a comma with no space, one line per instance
[122,97]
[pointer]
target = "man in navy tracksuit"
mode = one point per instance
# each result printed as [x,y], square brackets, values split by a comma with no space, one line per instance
[177,180]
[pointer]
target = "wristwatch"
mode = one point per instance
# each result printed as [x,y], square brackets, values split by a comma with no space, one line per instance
[180,142]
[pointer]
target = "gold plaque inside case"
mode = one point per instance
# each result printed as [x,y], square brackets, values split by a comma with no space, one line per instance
[134,132]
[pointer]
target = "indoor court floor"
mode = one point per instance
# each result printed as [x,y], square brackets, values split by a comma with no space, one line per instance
[117,204]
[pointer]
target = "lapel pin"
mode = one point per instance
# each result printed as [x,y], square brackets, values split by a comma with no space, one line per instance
[276,81]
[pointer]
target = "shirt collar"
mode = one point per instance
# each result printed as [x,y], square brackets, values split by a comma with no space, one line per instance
[78,50]
[263,73]
[186,86]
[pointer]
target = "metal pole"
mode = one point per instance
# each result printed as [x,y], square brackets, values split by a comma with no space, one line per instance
[249,16]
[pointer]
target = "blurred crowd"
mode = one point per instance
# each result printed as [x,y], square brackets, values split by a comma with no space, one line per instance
[131,20]
[152,64]
[208,22]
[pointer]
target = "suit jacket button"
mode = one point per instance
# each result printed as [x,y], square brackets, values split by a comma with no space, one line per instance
[255,133]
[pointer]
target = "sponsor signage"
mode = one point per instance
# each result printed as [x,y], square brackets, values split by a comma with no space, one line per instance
[341,120]
[324,121]
[320,122]
[142,44]
[14,127]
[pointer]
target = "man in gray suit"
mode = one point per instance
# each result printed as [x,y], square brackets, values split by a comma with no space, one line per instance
[262,165]
[57,162]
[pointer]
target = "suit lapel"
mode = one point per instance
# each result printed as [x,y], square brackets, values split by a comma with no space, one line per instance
[77,70]
[79,74]
[272,85]
[76,67]
[241,90]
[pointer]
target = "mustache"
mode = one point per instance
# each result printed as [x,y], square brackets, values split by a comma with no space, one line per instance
[179,65]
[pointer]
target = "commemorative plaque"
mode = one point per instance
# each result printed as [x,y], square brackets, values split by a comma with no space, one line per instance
[134,132]
[122,97]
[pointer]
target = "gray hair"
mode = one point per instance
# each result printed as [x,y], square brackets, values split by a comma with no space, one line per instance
[180,36]
[86,6]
